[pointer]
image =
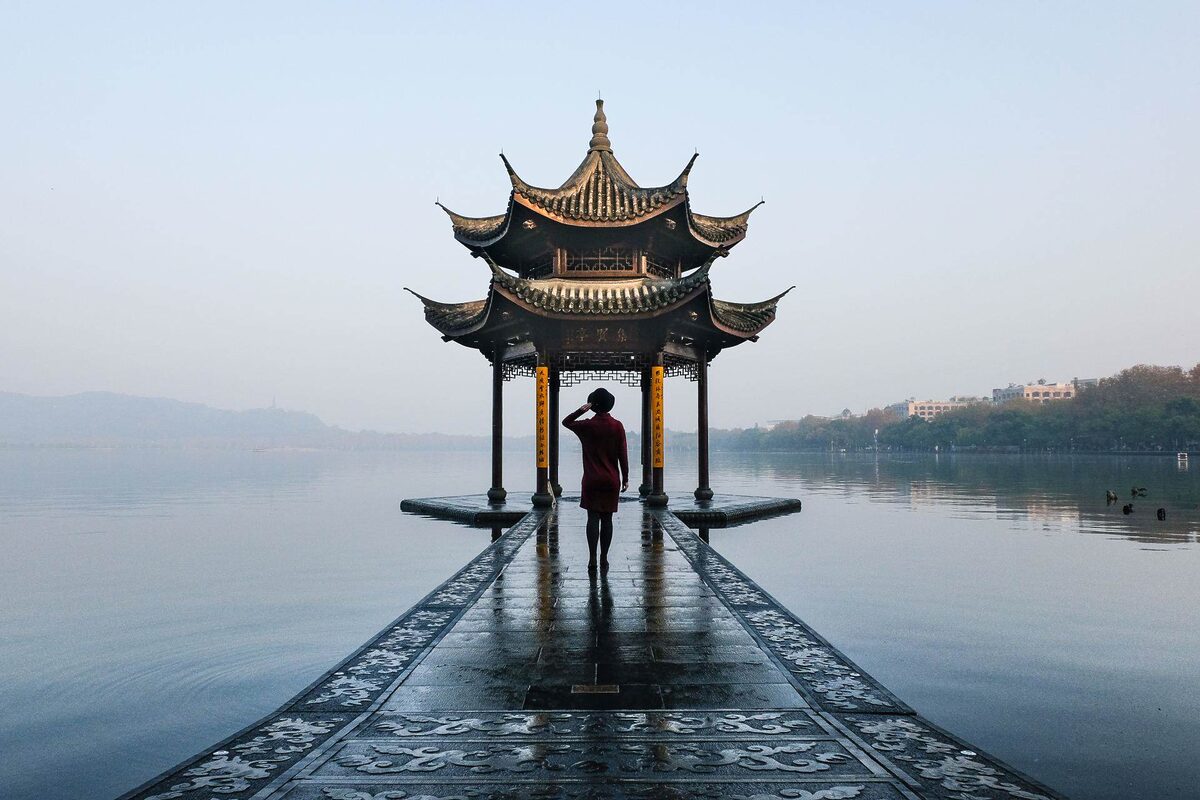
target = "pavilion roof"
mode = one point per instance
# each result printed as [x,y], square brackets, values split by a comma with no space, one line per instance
[584,298]
[600,190]
[642,295]
[600,193]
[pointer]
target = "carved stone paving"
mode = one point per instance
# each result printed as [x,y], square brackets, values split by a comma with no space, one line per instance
[944,765]
[663,724]
[830,679]
[580,758]
[234,771]
[670,676]
[599,790]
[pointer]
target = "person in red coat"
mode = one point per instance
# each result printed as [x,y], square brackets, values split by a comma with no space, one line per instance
[604,453]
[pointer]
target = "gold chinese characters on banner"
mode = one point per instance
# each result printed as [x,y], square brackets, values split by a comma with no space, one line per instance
[541,405]
[658,437]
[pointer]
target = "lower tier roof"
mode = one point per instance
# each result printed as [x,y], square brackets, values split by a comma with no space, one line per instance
[567,299]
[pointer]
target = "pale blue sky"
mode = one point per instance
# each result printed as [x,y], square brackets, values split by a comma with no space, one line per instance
[222,202]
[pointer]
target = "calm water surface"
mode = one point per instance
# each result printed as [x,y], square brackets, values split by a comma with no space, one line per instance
[152,602]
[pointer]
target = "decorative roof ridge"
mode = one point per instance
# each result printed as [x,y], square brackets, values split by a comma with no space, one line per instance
[475,231]
[755,306]
[746,319]
[498,274]
[437,304]
[682,180]
[736,219]
[722,232]
[461,219]
[453,319]
[513,177]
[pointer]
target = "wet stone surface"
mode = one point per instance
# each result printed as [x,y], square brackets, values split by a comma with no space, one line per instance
[669,675]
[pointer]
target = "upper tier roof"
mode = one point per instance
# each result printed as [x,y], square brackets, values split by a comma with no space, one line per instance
[600,193]
[600,190]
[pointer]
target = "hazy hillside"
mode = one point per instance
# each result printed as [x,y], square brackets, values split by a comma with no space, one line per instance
[108,419]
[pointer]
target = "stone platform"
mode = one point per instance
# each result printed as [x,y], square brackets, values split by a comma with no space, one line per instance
[472,509]
[721,511]
[670,675]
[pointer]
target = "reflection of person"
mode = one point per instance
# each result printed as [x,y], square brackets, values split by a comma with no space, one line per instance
[604,453]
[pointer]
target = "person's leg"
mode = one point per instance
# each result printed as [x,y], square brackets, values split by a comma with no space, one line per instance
[606,533]
[593,536]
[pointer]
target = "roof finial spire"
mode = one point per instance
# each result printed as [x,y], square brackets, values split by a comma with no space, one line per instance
[600,129]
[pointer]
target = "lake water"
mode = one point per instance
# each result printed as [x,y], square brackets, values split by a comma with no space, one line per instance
[153,602]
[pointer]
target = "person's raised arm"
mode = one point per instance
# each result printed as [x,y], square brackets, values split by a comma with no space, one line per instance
[624,461]
[569,420]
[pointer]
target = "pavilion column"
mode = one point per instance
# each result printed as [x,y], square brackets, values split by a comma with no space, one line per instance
[542,498]
[555,384]
[658,444]
[703,491]
[647,475]
[496,494]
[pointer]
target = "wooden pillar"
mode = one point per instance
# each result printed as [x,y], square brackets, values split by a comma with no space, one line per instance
[496,494]
[647,477]
[658,443]
[541,405]
[555,384]
[703,491]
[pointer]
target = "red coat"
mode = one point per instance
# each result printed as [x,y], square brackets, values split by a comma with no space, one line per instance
[604,451]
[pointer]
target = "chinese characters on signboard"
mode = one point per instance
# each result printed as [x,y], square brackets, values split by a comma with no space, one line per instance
[658,436]
[585,337]
[541,405]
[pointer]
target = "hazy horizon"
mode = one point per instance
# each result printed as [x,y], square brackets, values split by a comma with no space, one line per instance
[222,204]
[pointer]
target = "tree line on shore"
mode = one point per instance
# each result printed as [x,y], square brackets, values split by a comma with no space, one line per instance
[1143,408]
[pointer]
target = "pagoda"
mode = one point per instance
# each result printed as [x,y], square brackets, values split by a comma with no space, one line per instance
[599,279]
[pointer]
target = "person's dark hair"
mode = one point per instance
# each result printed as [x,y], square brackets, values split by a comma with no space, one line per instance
[602,400]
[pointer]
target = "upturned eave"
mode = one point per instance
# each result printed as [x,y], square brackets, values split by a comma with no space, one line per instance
[744,320]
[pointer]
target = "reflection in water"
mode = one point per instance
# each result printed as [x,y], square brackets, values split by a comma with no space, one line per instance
[151,601]
[154,599]
[547,575]
[977,589]
[653,582]
[1067,490]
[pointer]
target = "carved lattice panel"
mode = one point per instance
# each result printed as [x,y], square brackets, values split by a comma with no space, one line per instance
[624,377]
[518,369]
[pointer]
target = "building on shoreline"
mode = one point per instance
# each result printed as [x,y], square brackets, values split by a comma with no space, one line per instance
[928,409]
[1040,392]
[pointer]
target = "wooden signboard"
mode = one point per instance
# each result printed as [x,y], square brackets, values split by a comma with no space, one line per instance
[541,407]
[608,336]
[658,436]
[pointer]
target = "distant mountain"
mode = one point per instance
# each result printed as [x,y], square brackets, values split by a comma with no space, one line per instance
[107,419]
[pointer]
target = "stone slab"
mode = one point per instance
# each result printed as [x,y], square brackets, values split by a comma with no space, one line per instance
[470,509]
[724,510]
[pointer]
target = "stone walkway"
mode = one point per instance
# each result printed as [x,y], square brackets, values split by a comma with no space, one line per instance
[524,676]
